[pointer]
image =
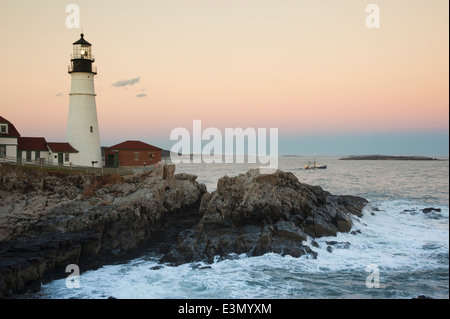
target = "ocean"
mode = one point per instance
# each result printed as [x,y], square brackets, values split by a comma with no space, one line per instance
[396,250]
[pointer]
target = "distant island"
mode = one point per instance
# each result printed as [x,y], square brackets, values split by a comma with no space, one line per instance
[390,158]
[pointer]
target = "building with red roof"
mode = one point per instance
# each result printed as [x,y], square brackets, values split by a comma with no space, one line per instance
[7,129]
[37,149]
[8,138]
[61,153]
[61,148]
[32,148]
[132,154]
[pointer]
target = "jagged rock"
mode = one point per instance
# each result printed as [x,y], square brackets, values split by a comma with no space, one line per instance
[257,213]
[48,220]
[422,297]
[352,204]
[430,209]
[289,230]
[192,246]
[337,244]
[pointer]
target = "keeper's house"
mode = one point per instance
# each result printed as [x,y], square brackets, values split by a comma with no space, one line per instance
[32,149]
[61,153]
[8,138]
[132,154]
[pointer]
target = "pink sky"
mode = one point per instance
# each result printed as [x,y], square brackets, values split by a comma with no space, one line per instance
[303,66]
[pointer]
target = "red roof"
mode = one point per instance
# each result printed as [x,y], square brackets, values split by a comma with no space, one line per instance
[133,145]
[12,131]
[61,148]
[32,144]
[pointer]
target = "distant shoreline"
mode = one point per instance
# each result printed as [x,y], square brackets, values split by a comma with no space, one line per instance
[390,158]
[169,154]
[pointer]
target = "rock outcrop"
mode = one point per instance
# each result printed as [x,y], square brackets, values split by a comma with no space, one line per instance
[51,220]
[257,213]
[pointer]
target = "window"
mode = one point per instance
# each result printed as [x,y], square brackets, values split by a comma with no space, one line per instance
[66,157]
[38,154]
[151,155]
[28,155]
[2,150]
[92,129]
[136,157]
[4,128]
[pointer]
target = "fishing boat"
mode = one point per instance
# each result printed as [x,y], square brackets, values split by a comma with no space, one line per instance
[315,165]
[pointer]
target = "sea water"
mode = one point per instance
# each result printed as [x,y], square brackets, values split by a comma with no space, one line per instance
[395,250]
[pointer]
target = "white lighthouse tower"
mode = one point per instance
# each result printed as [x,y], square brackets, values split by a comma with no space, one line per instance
[82,126]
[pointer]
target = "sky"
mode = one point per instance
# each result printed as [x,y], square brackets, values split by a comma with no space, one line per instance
[312,69]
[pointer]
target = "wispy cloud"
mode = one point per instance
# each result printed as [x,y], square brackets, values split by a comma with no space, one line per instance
[141,95]
[126,82]
[59,94]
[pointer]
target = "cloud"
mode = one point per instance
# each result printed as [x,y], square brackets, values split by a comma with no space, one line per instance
[141,95]
[59,94]
[126,82]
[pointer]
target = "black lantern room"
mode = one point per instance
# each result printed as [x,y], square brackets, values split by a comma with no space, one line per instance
[82,57]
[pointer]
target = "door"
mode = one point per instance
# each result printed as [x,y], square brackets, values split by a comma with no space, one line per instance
[2,150]
[113,160]
[60,158]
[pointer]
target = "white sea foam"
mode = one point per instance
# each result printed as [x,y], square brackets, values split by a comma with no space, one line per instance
[400,239]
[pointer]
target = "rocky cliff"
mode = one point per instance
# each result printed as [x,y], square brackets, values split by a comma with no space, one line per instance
[257,213]
[51,220]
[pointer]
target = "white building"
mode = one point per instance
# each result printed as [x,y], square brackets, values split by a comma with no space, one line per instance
[32,149]
[38,150]
[8,139]
[61,153]
[82,126]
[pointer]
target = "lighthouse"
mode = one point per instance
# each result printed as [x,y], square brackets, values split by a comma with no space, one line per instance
[82,125]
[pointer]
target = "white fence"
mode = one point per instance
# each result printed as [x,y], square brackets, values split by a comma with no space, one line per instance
[66,168]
